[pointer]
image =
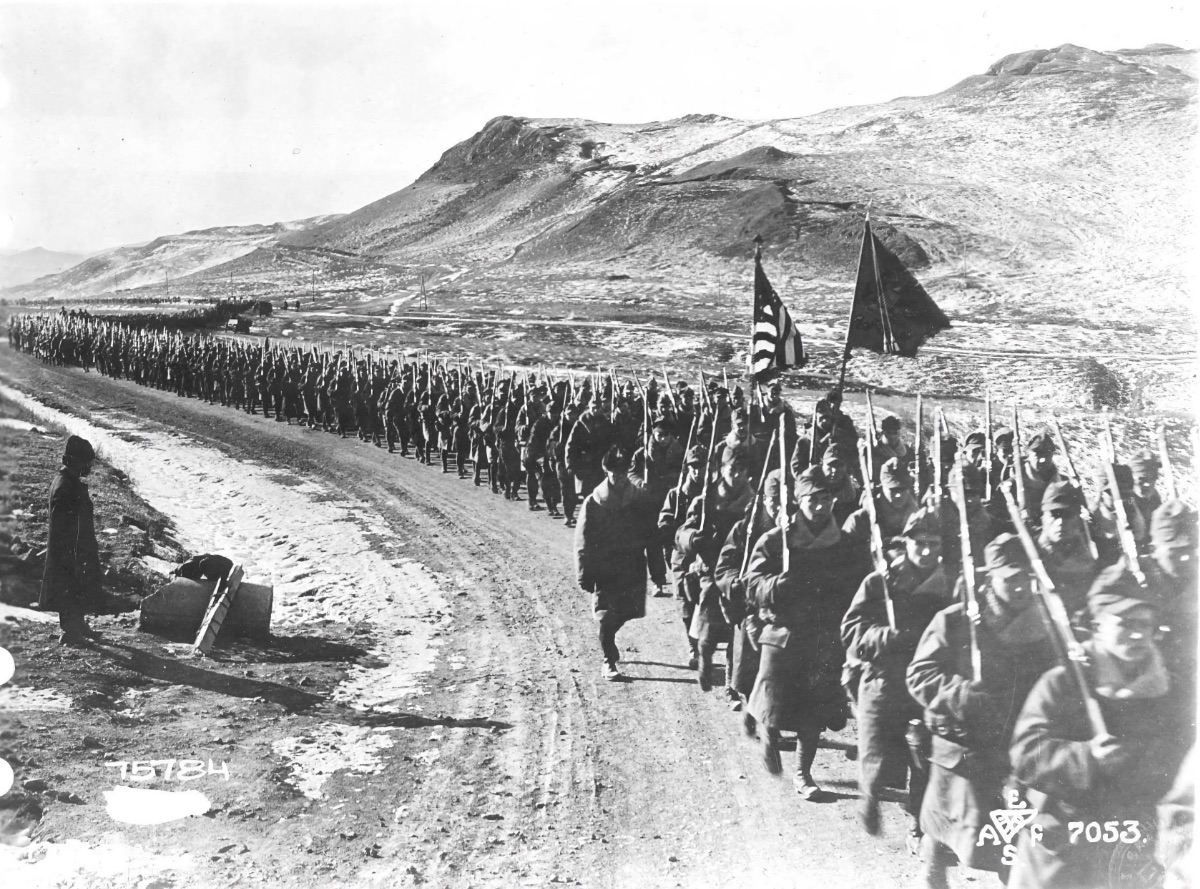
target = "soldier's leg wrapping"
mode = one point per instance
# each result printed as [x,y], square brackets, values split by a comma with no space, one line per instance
[531,482]
[609,624]
[550,490]
[656,564]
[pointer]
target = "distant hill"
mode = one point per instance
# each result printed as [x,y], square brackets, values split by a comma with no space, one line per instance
[1019,165]
[1043,203]
[166,257]
[23,266]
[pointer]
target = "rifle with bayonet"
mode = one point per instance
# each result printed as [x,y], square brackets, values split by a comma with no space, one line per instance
[1164,457]
[1018,459]
[1073,476]
[1124,531]
[959,494]
[878,558]
[1058,624]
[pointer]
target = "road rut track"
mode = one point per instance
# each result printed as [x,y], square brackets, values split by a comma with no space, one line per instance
[647,782]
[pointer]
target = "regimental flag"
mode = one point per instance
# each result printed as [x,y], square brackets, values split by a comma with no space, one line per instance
[776,342]
[892,314]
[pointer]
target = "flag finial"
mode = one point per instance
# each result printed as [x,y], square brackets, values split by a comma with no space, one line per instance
[758,242]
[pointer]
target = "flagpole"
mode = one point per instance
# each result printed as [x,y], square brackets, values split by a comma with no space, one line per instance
[754,312]
[853,300]
[889,344]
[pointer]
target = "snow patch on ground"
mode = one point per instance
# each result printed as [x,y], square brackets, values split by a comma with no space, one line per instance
[313,545]
[329,749]
[111,864]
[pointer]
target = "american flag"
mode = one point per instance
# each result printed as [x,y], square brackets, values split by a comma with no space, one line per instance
[776,342]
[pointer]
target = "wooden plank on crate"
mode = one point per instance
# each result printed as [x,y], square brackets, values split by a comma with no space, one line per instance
[222,600]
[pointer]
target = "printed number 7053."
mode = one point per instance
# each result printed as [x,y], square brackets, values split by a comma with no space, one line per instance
[1108,832]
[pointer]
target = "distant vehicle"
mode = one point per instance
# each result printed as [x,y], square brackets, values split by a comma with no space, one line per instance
[264,307]
[238,325]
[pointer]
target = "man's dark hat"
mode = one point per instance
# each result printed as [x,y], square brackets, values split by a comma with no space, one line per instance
[79,450]
[1042,443]
[1114,591]
[812,481]
[1062,495]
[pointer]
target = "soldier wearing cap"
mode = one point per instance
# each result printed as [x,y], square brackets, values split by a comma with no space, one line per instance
[971,721]
[918,588]
[898,501]
[798,687]
[1171,570]
[1104,521]
[71,578]
[975,450]
[1063,544]
[831,426]
[889,445]
[1039,470]
[670,517]
[1073,774]
[836,465]
[773,407]
[588,442]
[1002,464]
[610,554]
[731,579]
[698,545]
[1143,496]
[660,469]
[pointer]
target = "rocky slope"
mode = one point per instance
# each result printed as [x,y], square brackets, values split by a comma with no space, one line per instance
[1045,205]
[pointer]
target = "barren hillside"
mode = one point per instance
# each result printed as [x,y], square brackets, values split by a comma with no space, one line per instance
[1044,204]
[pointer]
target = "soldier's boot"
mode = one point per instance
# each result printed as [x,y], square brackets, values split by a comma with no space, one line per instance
[445,460]
[461,462]
[478,470]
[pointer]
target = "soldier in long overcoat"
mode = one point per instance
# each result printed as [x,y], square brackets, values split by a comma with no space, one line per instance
[71,579]
[798,686]
[610,553]
[711,516]
[1075,773]
[971,721]
[918,588]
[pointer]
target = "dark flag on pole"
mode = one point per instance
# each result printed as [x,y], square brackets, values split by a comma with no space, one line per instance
[891,314]
[775,342]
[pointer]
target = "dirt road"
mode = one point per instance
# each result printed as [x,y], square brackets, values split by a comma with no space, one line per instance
[520,765]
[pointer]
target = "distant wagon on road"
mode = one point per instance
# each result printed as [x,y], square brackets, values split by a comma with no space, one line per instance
[263,307]
[238,324]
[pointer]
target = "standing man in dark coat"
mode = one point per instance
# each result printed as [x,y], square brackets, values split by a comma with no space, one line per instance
[798,687]
[610,553]
[71,582]
[587,444]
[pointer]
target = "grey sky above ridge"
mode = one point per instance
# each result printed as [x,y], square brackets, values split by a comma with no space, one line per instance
[120,123]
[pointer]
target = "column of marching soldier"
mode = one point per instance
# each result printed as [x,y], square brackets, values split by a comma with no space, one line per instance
[986,627]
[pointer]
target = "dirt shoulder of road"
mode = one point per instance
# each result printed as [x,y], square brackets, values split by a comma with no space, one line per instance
[70,716]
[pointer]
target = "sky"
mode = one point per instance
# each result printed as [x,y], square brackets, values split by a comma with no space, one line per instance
[119,123]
